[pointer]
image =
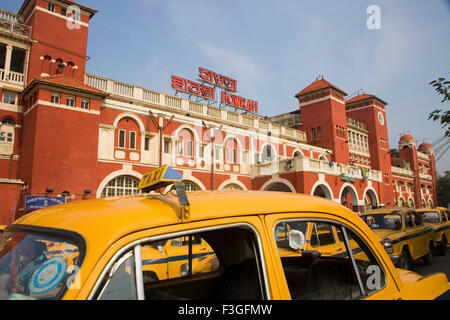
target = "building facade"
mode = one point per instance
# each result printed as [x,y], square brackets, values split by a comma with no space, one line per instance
[76,136]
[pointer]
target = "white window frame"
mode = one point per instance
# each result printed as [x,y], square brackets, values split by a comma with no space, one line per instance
[85,104]
[189,148]
[72,99]
[124,138]
[132,140]
[55,98]
[9,98]
[51,7]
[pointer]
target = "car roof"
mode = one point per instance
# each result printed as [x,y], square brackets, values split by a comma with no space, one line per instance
[111,218]
[388,210]
[427,209]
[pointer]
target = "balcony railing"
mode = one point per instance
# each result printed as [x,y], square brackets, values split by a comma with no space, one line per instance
[121,90]
[298,164]
[13,77]
[12,23]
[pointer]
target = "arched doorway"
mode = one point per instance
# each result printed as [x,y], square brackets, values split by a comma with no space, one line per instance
[370,200]
[232,186]
[322,191]
[349,198]
[278,186]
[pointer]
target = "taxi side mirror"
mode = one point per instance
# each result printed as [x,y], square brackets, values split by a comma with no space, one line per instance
[296,240]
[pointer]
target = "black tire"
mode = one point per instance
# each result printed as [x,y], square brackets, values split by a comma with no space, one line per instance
[442,249]
[405,261]
[428,258]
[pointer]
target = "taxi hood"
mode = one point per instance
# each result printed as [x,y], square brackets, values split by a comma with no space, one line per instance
[385,233]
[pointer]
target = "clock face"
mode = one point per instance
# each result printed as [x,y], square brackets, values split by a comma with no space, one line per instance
[380,118]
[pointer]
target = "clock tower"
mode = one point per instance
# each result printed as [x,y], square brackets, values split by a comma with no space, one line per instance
[371,111]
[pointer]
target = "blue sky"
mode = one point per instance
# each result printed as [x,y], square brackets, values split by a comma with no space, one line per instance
[276,48]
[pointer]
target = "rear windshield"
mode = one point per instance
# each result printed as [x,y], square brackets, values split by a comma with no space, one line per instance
[430,216]
[36,266]
[383,221]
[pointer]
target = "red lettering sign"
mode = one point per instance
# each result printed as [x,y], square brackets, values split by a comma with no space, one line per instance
[217,79]
[238,102]
[191,87]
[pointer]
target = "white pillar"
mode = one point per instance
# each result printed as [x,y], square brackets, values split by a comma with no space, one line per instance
[8,60]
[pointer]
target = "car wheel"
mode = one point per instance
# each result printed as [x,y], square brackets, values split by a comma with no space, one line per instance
[404,262]
[428,257]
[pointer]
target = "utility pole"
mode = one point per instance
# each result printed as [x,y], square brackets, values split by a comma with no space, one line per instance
[211,140]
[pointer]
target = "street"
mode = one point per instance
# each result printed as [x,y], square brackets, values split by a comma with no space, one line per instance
[439,264]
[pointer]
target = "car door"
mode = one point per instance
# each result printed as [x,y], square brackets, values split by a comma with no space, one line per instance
[414,243]
[422,236]
[240,267]
[312,273]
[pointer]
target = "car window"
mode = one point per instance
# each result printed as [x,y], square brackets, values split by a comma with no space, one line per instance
[430,216]
[408,221]
[223,264]
[443,216]
[322,235]
[37,266]
[312,273]
[417,219]
[121,284]
[392,221]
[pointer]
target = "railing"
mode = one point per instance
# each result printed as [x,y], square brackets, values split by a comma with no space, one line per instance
[299,164]
[12,77]
[119,89]
[11,22]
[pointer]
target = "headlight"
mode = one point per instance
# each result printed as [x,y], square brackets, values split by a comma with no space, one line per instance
[184,269]
[387,244]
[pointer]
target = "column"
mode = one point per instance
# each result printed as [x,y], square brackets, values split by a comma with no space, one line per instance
[8,60]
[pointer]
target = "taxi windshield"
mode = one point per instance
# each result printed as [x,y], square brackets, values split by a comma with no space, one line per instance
[35,266]
[430,216]
[383,221]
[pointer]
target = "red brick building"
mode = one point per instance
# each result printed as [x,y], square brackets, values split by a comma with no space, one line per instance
[79,136]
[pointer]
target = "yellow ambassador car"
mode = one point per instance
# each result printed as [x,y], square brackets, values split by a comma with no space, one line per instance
[240,234]
[403,234]
[438,220]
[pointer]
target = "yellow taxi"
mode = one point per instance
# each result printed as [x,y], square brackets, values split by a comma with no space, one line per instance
[241,236]
[403,234]
[437,219]
[169,259]
[2,228]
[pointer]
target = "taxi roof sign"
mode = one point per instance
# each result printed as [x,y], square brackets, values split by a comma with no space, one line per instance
[159,178]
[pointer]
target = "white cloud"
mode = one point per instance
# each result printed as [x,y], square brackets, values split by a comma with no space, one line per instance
[235,63]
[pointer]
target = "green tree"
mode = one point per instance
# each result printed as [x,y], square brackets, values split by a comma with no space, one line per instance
[442,87]
[443,186]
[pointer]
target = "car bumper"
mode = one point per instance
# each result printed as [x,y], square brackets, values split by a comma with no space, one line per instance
[395,258]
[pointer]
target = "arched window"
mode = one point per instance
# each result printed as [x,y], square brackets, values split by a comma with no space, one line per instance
[185,143]
[120,186]
[127,136]
[190,186]
[268,153]
[46,65]
[297,154]
[231,151]
[232,186]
